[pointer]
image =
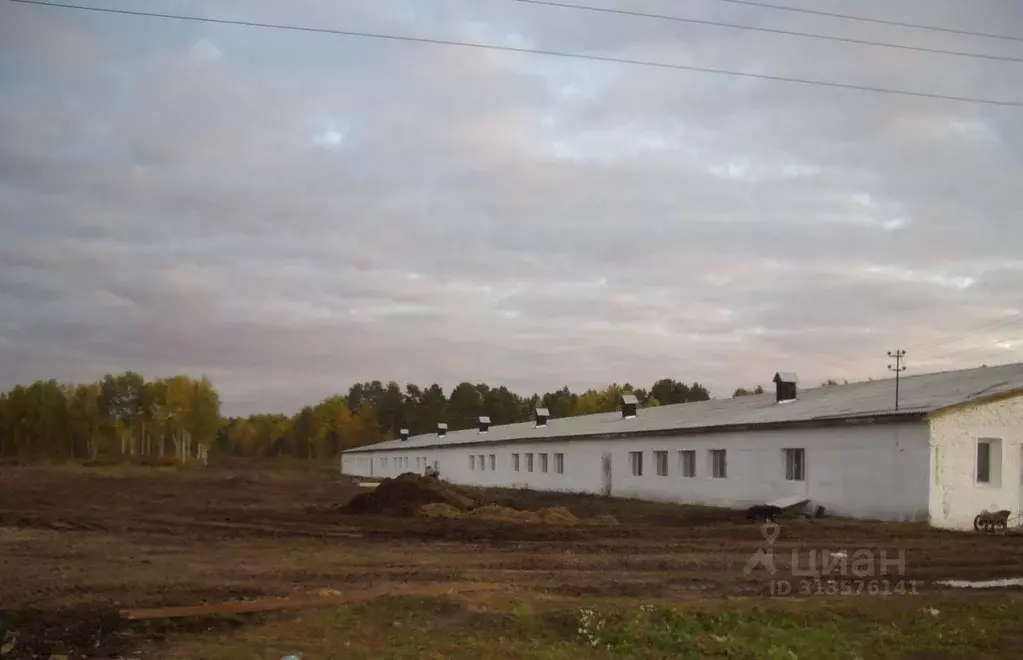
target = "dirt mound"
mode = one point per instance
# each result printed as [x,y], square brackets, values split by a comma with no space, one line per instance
[604,519]
[440,510]
[557,515]
[405,495]
[497,513]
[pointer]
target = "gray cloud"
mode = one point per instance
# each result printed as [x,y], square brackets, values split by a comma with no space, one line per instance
[290,212]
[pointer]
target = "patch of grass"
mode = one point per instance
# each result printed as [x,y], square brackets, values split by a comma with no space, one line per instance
[400,628]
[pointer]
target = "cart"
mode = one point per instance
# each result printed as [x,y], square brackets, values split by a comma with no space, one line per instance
[996,521]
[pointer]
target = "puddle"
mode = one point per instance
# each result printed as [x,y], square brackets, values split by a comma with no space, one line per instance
[983,584]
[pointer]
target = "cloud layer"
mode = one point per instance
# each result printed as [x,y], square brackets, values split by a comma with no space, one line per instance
[289,212]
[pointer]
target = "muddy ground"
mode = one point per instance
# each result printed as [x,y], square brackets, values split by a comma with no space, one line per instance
[77,543]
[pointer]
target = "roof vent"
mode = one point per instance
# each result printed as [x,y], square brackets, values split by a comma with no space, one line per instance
[442,430]
[542,415]
[403,435]
[484,424]
[629,405]
[785,386]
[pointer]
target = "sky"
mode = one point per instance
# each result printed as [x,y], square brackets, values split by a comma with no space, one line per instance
[291,212]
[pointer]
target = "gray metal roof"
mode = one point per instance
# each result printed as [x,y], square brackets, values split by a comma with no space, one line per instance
[918,395]
[484,419]
[629,400]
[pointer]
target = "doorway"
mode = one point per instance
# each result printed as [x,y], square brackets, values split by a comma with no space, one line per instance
[606,489]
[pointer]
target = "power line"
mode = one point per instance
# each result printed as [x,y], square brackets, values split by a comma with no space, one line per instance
[790,33]
[881,21]
[532,51]
[987,327]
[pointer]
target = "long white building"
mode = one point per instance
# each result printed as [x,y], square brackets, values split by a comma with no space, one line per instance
[953,447]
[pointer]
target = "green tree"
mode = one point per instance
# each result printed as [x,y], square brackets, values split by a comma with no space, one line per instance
[464,406]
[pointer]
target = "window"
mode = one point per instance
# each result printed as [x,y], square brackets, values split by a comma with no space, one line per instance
[417,462]
[687,463]
[559,463]
[483,465]
[472,461]
[493,462]
[636,463]
[529,462]
[718,464]
[515,462]
[543,462]
[661,463]
[989,461]
[795,464]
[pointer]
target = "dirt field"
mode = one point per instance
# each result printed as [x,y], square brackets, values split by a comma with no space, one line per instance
[78,543]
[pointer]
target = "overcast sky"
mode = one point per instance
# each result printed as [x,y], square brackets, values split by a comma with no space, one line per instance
[289,212]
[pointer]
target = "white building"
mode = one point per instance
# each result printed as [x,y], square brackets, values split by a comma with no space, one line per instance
[952,448]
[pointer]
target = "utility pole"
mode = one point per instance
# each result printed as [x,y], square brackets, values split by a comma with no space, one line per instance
[898,368]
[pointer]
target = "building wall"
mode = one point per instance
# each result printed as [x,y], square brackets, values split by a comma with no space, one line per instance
[872,471]
[956,496]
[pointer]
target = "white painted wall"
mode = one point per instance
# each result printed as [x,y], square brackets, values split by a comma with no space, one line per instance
[956,497]
[876,471]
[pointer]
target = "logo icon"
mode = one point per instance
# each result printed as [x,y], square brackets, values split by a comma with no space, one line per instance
[764,558]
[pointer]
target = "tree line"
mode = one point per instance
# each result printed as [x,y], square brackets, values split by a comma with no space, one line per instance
[373,412]
[128,416]
[119,415]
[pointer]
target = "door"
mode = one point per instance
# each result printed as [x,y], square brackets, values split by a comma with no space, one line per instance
[606,490]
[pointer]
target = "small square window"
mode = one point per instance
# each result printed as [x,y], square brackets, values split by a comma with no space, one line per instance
[718,464]
[636,463]
[989,461]
[795,464]
[687,463]
[661,463]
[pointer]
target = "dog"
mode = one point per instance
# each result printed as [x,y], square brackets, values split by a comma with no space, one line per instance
[764,512]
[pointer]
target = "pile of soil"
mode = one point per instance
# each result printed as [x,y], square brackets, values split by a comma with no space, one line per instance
[495,513]
[405,494]
[605,519]
[557,515]
[441,510]
[410,494]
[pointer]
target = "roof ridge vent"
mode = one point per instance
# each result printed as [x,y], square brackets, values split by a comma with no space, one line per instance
[630,403]
[785,386]
[542,415]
